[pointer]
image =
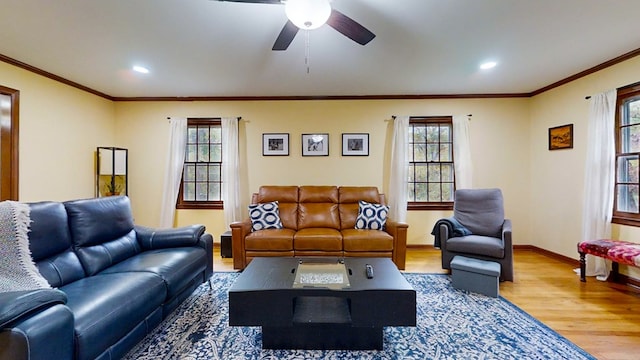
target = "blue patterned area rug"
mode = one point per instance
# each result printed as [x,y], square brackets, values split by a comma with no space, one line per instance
[451,324]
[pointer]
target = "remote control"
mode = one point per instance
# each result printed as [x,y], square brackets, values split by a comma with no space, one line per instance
[369,270]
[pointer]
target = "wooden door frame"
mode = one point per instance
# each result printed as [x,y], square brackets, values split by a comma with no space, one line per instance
[9,148]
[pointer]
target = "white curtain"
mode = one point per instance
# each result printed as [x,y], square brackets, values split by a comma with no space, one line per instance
[173,170]
[462,152]
[399,169]
[599,176]
[230,171]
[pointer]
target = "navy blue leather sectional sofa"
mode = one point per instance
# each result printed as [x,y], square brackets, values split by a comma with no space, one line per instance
[113,281]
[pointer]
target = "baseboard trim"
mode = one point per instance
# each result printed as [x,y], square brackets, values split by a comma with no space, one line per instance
[551,254]
[629,282]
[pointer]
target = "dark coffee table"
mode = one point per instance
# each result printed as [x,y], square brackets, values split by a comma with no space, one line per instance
[297,312]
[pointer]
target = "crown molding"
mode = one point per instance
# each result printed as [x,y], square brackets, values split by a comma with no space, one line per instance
[604,65]
[51,76]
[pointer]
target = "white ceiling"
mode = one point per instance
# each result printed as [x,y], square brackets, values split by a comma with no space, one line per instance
[422,47]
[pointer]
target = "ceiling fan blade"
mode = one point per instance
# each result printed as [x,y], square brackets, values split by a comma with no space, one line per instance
[255,1]
[350,28]
[286,36]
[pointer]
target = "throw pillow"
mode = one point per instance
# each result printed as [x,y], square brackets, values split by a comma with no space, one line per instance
[17,270]
[371,216]
[265,216]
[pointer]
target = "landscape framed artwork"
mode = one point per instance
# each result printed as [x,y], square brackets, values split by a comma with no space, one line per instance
[355,144]
[315,144]
[275,144]
[561,137]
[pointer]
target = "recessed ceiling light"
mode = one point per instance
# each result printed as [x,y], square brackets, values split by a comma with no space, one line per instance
[141,69]
[488,65]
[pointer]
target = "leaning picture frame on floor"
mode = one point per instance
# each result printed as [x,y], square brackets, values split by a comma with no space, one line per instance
[561,137]
[315,144]
[355,144]
[275,144]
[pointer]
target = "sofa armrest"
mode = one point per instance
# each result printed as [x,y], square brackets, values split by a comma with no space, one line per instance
[206,242]
[506,234]
[399,232]
[192,235]
[239,230]
[17,304]
[443,232]
[150,238]
[43,334]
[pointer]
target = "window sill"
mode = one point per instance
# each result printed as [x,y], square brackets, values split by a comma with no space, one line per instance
[625,221]
[429,206]
[200,206]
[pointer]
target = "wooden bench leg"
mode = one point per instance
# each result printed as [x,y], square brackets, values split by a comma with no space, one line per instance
[583,267]
[615,271]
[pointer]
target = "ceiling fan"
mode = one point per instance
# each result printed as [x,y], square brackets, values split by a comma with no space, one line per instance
[337,20]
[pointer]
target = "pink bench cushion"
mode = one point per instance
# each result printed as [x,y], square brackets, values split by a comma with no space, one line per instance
[623,252]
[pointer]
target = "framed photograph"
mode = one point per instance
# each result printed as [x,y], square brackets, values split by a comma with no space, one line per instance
[315,144]
[355,144]
[275,144]
[561,137]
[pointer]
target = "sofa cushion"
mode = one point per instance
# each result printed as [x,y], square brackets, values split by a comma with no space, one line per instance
[51,245]
[320,239]
[477,244]
[177,266]
[102,231]
[318,194]
[318,215]
[265,216]
[349,198]
[285,194]
[287,198]
[270,239]
[371,216]
[366,240]
[107,306]
[318,207]
[354,194]
[480,210]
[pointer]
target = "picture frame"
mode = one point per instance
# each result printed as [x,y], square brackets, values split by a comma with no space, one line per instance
[355,144]
[315,144]
[275,144]
[561,137]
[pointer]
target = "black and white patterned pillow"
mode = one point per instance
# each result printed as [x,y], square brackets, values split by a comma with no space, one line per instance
[265,216]
[371,216]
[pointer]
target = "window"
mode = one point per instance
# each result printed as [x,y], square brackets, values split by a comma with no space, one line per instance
[202,172]
[627,183]
[431,174]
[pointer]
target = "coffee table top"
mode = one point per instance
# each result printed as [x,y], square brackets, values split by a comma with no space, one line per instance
[279,273]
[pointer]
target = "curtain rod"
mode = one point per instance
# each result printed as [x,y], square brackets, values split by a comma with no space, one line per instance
[394,117]
[239,118]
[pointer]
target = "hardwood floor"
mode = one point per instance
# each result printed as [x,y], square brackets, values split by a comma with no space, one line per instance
[601,317]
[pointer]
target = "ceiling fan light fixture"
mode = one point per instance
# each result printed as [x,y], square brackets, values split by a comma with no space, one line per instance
[308,14]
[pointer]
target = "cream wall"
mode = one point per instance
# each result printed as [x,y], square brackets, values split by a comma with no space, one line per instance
[60,128]
[499,129]
[557,177]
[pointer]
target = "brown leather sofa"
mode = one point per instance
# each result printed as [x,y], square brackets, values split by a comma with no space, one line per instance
[318,221]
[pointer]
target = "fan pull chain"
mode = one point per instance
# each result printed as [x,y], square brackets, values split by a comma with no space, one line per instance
[307,60]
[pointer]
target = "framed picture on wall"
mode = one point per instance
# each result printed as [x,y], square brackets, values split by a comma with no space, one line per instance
[315,144]
[561,137]
[275,144]
[355,144]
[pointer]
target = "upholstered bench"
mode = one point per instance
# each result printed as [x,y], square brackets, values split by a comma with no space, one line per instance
[475,275]
[618,251]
